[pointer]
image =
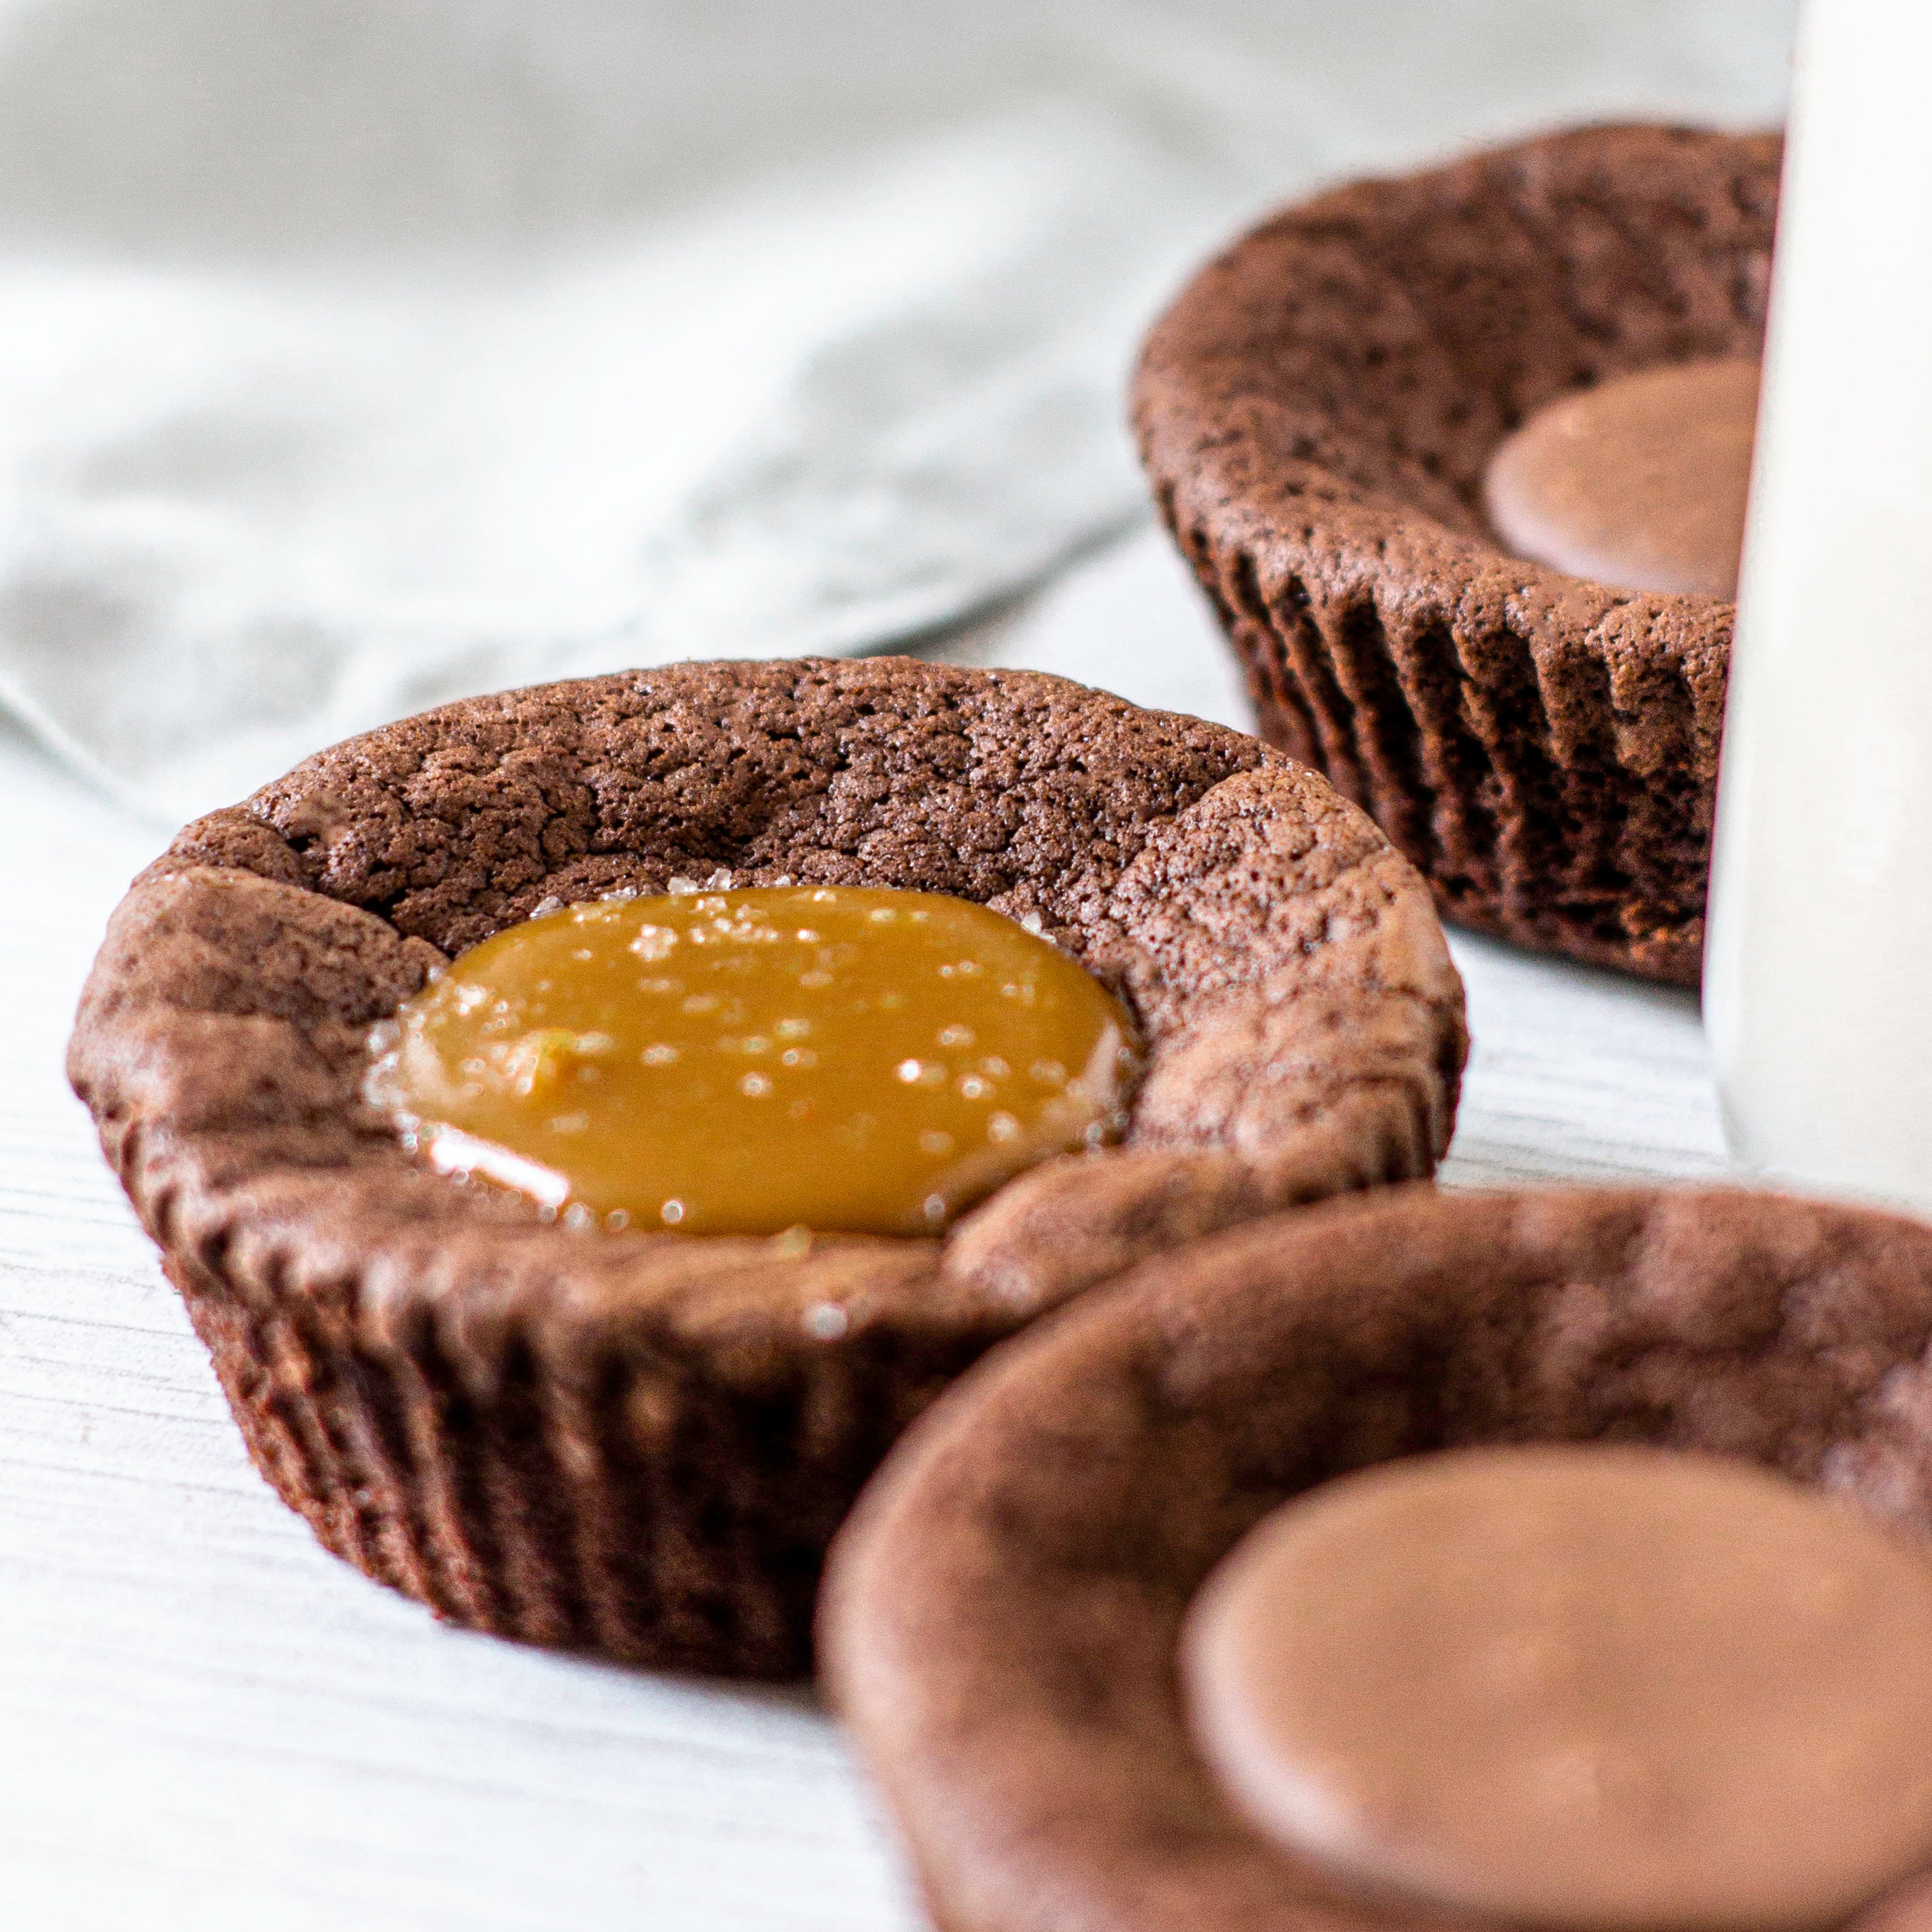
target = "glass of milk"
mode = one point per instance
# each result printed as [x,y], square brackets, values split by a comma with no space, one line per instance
[1818,969]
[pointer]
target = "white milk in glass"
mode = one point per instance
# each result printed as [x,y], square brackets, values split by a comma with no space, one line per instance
[1818,977]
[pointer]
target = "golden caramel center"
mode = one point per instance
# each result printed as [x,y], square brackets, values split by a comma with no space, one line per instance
[829,1057]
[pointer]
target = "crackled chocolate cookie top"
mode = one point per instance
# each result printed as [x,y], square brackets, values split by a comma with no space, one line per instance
[1301,1017]
[1595,1688]
[1003,1617]
[1638,483]
[642,1440]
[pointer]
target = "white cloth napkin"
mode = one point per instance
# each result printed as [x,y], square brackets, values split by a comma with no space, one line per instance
[358,354]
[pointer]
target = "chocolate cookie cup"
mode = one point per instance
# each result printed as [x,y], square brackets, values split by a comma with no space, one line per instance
[1316,412]
[1001,1615]
[641,1443]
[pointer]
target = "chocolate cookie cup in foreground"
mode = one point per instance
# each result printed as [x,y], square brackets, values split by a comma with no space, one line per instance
[1316,412]
[640,1443]
[1002,1615]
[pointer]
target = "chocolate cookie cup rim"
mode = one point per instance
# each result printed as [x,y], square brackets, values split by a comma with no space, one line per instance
[1001,1614]
[641,1443]
[1313,412]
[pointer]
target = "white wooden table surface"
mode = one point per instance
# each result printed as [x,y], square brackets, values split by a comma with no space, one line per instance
[207,1723]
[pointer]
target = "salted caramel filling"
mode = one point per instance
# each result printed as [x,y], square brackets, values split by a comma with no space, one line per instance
[1612,1690]
[1639,484]
[748,1062]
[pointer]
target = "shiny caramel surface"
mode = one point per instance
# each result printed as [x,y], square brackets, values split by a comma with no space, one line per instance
[833,1058]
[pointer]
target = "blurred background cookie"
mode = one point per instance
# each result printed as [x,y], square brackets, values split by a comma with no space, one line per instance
[1535,721]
